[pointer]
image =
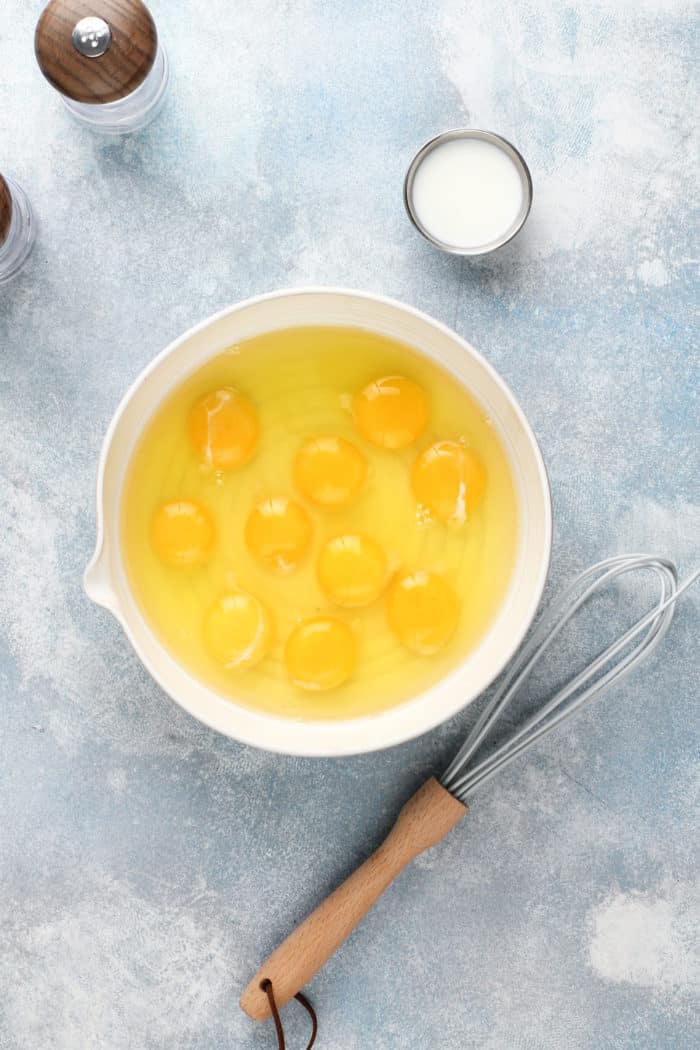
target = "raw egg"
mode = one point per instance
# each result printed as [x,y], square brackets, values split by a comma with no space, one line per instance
[330,471]
[223,428]
[352,570]
[449,480]
[422,610]
[182,533]
[391,412]
[278,533]
[238,630]
[320,654]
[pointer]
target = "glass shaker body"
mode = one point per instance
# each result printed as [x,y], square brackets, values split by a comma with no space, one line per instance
[18,238]
[131,113]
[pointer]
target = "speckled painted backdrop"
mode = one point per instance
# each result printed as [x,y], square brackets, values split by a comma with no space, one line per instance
[147,865]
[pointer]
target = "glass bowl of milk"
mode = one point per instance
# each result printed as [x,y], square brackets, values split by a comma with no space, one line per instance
[468,192]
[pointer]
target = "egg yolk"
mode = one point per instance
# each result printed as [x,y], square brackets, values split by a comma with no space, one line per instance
[182,533]
[352,570]
[237,630]
[448,479]
[391,412]
[320,654]
[223,428]
[330,471]
[422,610]
[278,533]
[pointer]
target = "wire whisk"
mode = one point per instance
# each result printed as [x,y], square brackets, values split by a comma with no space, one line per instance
[461,778]
[438,806]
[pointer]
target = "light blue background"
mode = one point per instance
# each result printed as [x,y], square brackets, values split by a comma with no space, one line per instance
[146,865]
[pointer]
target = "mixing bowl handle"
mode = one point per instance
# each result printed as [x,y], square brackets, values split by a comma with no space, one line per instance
[423,822]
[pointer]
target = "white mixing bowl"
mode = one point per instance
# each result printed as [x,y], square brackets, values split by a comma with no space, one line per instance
[106,581]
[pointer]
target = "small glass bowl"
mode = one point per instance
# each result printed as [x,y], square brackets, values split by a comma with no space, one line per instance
[484,136]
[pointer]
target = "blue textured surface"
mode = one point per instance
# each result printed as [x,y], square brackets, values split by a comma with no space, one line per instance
[147,865]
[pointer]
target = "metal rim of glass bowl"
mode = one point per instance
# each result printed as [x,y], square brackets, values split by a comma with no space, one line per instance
[486,136]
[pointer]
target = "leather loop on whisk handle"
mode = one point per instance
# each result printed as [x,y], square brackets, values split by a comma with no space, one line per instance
[423,822]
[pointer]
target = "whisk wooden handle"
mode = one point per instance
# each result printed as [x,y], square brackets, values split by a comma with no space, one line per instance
[423,822]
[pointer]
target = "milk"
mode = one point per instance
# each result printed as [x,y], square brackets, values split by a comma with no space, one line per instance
[467,193]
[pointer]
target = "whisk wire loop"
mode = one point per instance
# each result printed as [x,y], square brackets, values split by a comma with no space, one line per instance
[460,778]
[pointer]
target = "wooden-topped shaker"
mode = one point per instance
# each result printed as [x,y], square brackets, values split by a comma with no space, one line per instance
[103,53]
[16,229]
